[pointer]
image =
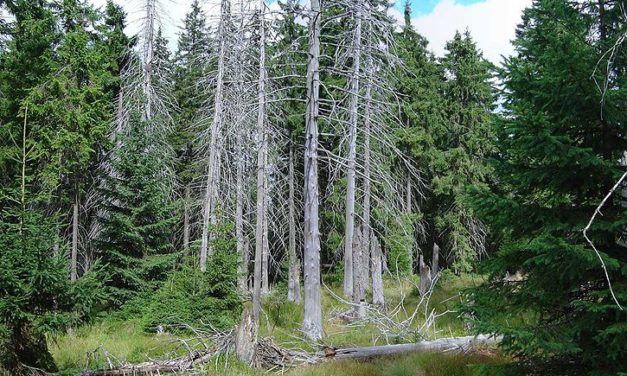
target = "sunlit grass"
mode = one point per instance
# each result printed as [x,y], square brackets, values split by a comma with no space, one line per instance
[281,320]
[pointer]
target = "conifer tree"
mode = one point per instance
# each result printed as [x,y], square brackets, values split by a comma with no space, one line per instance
[560,146]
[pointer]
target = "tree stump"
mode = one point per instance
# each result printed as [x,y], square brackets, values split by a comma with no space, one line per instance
[425,277]
[246,338]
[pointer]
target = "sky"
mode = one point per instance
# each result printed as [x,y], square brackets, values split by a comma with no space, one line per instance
[492,23]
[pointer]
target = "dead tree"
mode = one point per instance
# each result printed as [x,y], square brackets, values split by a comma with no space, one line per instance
[312,320]
[214,164]
[293,290]
[425,277]
[352,153]
[261,228]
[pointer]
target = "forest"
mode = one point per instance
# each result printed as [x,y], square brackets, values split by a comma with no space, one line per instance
[305,187]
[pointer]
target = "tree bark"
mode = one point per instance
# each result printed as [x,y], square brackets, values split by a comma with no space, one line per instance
[148,54]
[312,319]
[349,230]
[261,267]
[425,277]
[359,284]
[293,291]
[435,260]
[446,344]
[74,267]
[213,168]
[378,297]
[186,224]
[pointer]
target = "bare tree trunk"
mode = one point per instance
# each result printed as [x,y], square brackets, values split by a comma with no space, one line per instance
[349,271]
[261,270]
[186,224]
[74,267]
[213,168]
[408,207]
[312,320]
[242,266]
[359,285]
[369,252]
[148,54]
[378,297]
[425,277]
[293,288]
[265,262]
[435,260]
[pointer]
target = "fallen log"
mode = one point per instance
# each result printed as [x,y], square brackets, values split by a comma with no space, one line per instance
[269,355]
[442,344]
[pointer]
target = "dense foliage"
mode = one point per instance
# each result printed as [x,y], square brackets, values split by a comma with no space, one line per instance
[106,167]
[560,147]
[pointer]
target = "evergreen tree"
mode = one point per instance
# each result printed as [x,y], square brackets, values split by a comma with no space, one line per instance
[560,150]
[135,243]
[461,143]
[191,65]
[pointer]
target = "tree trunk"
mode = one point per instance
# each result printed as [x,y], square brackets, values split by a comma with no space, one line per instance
[186,224]
[74,267]
[435,260]
[213,168]
[349,230]
[445,344]
[312,319]
[377,272]
[293,290]
[359,285]
[261,262]
[246,338]
[148,33]
[425,277]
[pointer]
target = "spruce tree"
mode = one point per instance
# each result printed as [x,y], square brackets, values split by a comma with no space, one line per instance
[560,149]
[191,64]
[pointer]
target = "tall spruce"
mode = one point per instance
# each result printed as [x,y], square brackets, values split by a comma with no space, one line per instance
[560,149]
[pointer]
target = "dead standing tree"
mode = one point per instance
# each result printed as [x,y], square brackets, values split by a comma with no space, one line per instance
[214,165]
[312,319]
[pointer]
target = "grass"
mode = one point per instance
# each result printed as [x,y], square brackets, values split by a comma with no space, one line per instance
[125,340]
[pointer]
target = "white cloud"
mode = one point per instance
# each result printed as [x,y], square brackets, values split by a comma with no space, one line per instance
[492,24]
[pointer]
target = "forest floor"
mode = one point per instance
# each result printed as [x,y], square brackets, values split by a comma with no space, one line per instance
[115,340]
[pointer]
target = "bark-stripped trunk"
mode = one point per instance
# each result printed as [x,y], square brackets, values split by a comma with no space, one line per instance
[149,30]
[239,225]
[349,271]
[435,260]
[213,168]
[425,277]
[408,196]
[261,270]
[293,284]
[359,284]
[241,246]
[312,319]
[371,246]
[377,272]
[186,221]
[265,262]
[74,267]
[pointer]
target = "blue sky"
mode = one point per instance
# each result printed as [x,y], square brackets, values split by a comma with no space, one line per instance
[491,22]
[422,7]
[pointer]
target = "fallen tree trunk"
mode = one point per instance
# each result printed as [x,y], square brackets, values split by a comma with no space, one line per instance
[269,355]
[442,344]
